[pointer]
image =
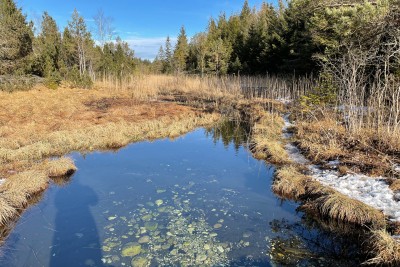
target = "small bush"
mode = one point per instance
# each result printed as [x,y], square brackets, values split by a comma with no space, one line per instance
[53,80]
[78,80]
[11,83]
[324,94]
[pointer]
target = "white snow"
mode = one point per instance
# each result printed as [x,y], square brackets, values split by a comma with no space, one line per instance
[369,190]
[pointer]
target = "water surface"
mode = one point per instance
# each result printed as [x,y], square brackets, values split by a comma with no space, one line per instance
[198,200]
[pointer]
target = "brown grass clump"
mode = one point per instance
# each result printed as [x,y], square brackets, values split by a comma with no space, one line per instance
[384,249]
[27,183]
[394,184]
[342,208]
[321,140]
[267,137]
[6,211]
[14,198]
[59,167]
[289,183]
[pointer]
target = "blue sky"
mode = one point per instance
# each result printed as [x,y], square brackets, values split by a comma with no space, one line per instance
[144,24]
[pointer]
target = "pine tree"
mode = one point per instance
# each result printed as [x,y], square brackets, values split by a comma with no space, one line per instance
[47,48]
[159,61]
[15,38]
[168,56]
[181,52]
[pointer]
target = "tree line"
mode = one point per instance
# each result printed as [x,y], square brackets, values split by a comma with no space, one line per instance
[297,36]
[72,54]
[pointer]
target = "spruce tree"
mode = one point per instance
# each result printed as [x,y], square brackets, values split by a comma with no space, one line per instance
[15,38]
[168,56]
[181,52]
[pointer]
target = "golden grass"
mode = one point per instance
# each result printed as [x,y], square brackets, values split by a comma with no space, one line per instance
[384,249]
[340,207]
[59,167]
[321,140]
[27,183]
[267,137]
[6,212]
[289,183]
[17,190]
[368,151]
[394,185]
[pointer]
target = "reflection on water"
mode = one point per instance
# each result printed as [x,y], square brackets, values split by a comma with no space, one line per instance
[199,200]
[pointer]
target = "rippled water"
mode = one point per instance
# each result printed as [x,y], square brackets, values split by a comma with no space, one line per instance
[198,200]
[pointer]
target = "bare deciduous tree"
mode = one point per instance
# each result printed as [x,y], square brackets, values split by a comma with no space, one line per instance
[104,28]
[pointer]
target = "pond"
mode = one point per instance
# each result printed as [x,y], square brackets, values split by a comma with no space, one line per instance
[198,200]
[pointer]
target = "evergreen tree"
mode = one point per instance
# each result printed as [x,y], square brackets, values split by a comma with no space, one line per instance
[159,61]
[168,56]
[181,52]
[218,57]
[47,48]
[15,38]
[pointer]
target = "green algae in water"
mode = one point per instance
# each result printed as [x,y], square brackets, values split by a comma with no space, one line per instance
[151,226]
[159,202]
[147,217]
[140,262]
[131,249]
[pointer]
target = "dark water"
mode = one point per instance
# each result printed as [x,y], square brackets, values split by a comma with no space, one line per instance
[198,200]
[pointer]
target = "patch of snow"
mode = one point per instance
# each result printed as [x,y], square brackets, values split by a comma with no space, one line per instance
[371,191]
[333,163]
[1,181]
[295,154]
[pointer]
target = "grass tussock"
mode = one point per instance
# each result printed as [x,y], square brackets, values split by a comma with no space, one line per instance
[384,249]
[27,183]
[340,207]
[394,184]
[289,183]
[267,138]
[63,166]
[6,211]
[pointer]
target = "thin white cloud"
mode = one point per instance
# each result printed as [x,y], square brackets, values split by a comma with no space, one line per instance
[147,48]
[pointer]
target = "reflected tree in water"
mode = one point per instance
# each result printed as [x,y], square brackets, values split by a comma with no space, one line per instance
[230,132]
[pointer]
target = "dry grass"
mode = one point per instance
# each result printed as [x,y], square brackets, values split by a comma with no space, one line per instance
[366,151]
[6,212]
[27,183]
[267,137]
[59,167]
[18,190]
[42,122]
[384,249]
[340,207]
[289,183]
[394,185]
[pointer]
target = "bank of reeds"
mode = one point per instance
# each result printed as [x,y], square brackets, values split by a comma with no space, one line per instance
[285,87]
